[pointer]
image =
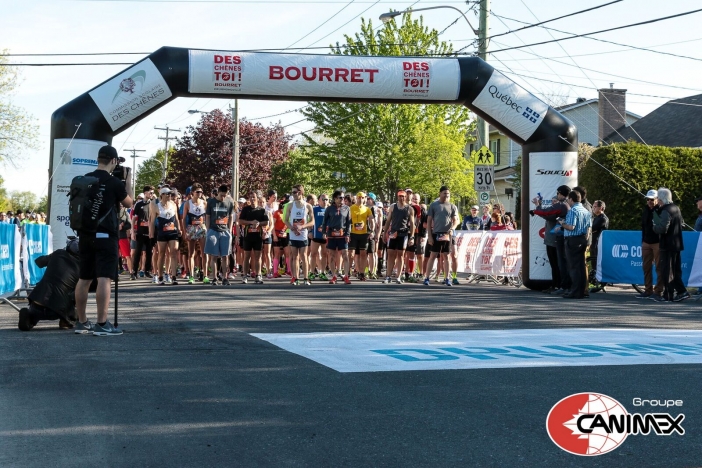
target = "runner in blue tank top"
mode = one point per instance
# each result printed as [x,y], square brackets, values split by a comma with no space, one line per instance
[318,248]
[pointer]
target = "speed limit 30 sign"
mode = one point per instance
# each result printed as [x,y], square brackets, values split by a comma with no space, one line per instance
[484,178]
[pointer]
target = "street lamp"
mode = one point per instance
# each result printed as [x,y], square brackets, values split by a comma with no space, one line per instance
[481,32]
[386,17]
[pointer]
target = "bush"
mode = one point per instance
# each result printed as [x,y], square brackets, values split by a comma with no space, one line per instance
[644,168]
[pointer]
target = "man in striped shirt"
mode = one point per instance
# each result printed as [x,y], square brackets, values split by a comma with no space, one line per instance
[576,225]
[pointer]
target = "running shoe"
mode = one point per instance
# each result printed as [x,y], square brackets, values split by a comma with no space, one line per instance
[294,282]
[132,277]
[269,275]
[245,280]
[167,279]
[307,283]
[347,280]
[681,297]
[225,282]
[191,280]
[426,282]
[83,328]
[205,280]
[154,280]
[658,298]
[455,281]
[214,282]
[447,282]
[332,280]
[387,280]
[141,274]
[231,276]
[264,270]
[174,281]
[258,279]
[184,275]
[399,280]
[106,330]
[323,277]
[363,278]
[148,274]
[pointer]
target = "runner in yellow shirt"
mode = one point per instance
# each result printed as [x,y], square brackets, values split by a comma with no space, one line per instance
[362,223]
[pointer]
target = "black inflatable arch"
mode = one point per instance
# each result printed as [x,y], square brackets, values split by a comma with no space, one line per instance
[169,73]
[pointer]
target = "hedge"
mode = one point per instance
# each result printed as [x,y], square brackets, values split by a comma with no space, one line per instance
[644,168]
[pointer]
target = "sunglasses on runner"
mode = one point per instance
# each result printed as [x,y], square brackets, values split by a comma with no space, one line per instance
[324,199]
[198,191]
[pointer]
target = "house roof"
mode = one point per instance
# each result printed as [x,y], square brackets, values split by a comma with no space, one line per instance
[675,123]
[575,105]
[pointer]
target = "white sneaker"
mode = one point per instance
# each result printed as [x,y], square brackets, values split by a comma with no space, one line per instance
[166,279]
[231,276]
[398,280]
[258,280]
[154,280]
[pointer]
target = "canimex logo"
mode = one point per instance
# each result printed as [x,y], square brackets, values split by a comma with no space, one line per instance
[590,424]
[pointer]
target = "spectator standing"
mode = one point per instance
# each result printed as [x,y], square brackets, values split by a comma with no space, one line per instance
[698,223]
[576,227]
[650,244]
[472,222]
[668,224]
[553,238]
[600,222]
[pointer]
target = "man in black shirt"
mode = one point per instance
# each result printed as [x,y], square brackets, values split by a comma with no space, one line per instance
[99,251]
[600,222]
[140,233]
[668,223]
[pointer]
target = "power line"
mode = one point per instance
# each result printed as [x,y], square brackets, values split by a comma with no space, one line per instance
[554,19]
[325,22]
[645,49]
[324,37]
[656,20]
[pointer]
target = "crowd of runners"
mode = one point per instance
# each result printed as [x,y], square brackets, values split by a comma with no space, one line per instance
[193,237]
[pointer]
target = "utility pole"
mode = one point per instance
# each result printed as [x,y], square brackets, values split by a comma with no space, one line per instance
[235,150]
[483,46]
[165,156]
[134,156]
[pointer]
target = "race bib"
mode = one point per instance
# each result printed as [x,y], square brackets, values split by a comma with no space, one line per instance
[221,221]
[254,229]
[298,222]
[169,227]
[359,226]
[144,224]
[337,233]
[196,222]
[392,235]
[443,237]
[281,233]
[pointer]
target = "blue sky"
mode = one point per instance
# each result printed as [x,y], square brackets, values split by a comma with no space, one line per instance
[71,26]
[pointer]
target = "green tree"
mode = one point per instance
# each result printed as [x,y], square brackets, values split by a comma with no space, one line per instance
[23,200]
[150,172]
[43,205]
[17,128]
[301,167]
[374,146]
[4,198]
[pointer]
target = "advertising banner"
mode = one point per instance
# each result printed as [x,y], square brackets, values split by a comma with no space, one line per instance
[547,171]
[79,159]
[323,76]
[131,93]
[37,241]
[620,258]
[10,243]
[511,105]
[496,253]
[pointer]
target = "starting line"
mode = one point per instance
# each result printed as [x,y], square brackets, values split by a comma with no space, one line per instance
[483,349]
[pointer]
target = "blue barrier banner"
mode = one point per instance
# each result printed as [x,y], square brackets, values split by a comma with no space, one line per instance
[620,258]
[37,241]
[10,243]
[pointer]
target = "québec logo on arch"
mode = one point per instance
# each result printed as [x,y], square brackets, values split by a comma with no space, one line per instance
[590,424]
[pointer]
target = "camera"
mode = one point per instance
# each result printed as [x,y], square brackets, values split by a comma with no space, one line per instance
[121,172]
[560,219]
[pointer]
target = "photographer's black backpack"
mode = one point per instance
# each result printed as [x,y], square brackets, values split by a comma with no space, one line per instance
[83,211]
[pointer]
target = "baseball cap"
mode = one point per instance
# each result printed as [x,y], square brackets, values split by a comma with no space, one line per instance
[402,192]
[107,152]
[242,200]
[360,194]
[188,190]
[372,196]
[563,190]
[379,204]
[164,191]
[474,207]
[141,195]
[408,190]
[652,194]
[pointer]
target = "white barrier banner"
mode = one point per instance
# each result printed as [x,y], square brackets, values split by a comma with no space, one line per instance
[489,252]
[79,159]
[547,172]
[323,76]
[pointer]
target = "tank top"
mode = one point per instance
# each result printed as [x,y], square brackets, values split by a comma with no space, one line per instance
[196,213]
[166,222]
[400,218]
[318,220]
[298,215]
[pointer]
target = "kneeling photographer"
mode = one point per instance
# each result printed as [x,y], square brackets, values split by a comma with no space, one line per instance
[98,230]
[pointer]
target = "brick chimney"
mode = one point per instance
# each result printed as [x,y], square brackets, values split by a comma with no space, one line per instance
[612,109]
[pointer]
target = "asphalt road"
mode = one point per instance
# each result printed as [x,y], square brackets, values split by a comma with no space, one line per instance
[187,384]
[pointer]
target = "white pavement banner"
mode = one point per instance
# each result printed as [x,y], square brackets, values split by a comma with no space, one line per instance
[482,349]
[323,76]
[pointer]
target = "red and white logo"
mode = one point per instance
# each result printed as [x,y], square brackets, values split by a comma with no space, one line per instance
[567,419]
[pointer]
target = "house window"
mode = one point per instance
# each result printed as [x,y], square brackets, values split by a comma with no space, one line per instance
[495,149]
[471,148]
